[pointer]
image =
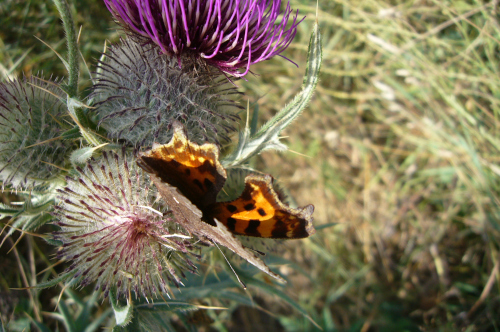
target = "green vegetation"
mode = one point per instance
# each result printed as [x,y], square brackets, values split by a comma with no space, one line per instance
[402,140]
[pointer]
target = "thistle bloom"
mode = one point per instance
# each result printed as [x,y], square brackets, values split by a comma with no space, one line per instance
[229,34]
[114,232]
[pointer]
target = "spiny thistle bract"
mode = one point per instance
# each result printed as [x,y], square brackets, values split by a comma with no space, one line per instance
[114,232]
[230,35]
[140,91]
[31,120]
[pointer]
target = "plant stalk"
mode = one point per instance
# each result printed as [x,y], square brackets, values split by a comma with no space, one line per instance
[73,52]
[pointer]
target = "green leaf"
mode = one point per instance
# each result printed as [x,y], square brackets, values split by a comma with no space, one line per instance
[53,282]
[268,136]
[36,222]
[96,323]
[236,297]
[189,326]
[270,289]
[201,286]
[51,241]
[149,321]
[67,318]
[168,306]
[324,226]
[75,110]
[16,223]
[72,133]
[47,188]
[74,297]
[123,315]
[30,216]
[6,211]
[328,321]
[83,318]
[38,205]
[255,120]
[40,326]
[20,324]
[336,293]
[290,112]
[81,156]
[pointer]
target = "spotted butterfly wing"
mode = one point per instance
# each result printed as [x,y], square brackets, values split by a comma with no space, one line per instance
[189,177]
[259,212]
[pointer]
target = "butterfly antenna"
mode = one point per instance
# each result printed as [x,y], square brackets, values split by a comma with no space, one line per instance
[237,277]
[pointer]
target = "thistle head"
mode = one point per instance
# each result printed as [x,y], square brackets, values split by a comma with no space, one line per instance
[31,123]
[116,234]
[140,92]
[230,35]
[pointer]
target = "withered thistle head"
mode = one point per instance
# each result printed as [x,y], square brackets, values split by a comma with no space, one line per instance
[31,123]
[230,35]
[140,92]
[115,234]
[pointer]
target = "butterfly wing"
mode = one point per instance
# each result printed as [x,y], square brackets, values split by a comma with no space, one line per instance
[188,178]
[224,237]
[189,217]
[194,169]
[259,212]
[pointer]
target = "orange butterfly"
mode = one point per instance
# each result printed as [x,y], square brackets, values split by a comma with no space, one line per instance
[189,177]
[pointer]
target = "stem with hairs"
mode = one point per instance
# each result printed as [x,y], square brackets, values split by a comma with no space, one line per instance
[73,53]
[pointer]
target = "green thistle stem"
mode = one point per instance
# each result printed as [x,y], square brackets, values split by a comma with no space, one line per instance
[73,67]
[73,52]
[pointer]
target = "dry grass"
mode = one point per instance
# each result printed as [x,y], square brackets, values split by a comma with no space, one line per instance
[403,144]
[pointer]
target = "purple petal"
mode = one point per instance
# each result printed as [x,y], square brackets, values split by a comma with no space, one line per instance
[229,34]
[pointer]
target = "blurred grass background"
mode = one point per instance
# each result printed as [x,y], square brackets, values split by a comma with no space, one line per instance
[402,142]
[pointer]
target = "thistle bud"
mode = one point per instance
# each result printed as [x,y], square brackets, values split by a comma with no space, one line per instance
[115,232]
[31,123]
[140,92]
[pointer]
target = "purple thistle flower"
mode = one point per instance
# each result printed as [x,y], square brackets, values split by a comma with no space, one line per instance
[229,34]
[113,233]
